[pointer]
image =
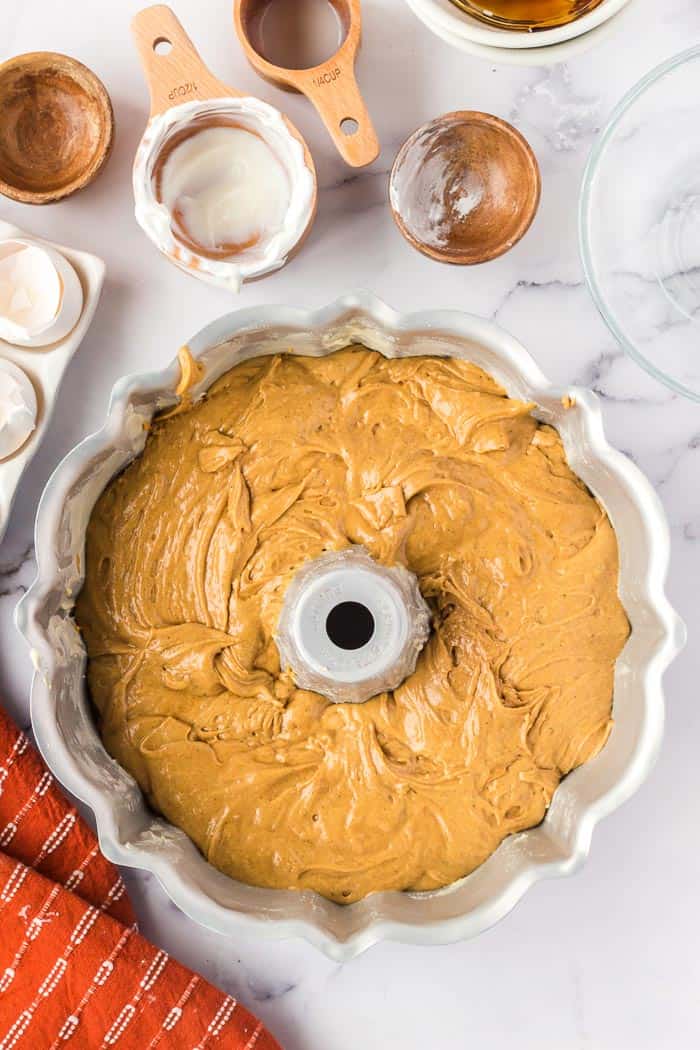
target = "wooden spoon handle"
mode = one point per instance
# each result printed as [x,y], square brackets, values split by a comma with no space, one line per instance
[334,92]
[175,74]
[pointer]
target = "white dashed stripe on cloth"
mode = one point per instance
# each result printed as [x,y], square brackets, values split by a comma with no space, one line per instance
[20,871]
[84,925]
[18,748]
[175,1014]
[8,833]
[49,984]
[74,880]
[220,1018]
[51,980]
[80,931]
[126,1016]
[33,930]
[67,1029]
[54,840]
[10,830]
[78,874]
[14,882]
[171,1020]
[116,892]
[254,1037]
[102,973]
[155,969]
[17,1031]
[58,836]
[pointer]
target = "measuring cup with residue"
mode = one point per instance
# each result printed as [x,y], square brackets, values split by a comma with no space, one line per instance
[224,184]
[311,46]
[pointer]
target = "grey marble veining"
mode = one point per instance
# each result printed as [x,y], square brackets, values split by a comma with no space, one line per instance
[603,961]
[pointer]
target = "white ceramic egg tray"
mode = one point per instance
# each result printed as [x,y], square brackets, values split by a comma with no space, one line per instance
[45,365]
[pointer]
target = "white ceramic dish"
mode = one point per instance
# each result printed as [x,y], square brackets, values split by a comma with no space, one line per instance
[530,56]
[45,365]
[450,18]
[133,836]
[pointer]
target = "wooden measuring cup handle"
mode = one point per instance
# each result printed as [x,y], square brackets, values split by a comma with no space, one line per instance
[334,92]
[174,71]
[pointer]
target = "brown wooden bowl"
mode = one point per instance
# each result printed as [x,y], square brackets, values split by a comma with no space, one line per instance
[56,127]
[464,188]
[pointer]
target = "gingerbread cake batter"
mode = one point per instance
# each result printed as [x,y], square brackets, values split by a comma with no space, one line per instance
[427,463]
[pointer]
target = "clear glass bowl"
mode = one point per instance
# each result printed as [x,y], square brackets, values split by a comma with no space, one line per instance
[639,223]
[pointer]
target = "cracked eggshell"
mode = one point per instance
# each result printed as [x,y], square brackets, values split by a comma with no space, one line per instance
[18,407]
[52,307]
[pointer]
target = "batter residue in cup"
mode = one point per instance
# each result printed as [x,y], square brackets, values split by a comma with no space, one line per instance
[224,187]
[427,463]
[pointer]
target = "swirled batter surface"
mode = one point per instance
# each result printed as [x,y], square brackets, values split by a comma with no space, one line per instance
[426,462]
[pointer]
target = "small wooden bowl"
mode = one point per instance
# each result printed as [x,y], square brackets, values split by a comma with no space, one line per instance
[464,188]
[56,127]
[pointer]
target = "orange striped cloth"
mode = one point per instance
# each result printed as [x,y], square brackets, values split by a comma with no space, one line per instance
[74,971]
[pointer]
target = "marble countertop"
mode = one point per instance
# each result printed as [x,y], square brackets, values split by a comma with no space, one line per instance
[602,961]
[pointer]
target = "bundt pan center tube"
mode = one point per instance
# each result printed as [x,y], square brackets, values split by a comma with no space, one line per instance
[351,628]
[131,834]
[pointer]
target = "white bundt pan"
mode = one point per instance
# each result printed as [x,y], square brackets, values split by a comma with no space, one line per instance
[130,834]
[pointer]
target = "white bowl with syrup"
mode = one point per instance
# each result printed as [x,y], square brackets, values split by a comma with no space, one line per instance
[132,835]
[452,20]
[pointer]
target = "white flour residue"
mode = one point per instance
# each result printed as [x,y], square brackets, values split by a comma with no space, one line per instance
[431,194]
